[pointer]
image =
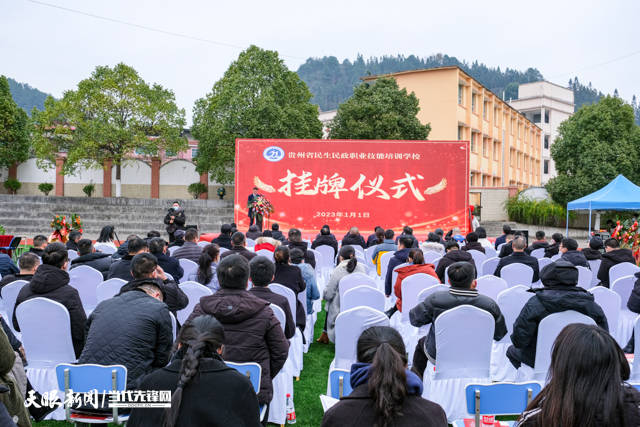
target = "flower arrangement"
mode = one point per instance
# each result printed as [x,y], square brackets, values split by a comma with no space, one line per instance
[61,229]
[261,207]
[76,222]
[627,234]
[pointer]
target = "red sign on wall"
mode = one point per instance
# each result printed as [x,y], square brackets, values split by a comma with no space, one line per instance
[345,183]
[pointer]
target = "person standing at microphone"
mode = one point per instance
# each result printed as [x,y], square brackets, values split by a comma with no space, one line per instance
[252,214]
[175,220]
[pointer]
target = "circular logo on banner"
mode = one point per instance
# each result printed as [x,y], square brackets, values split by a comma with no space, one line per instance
[273,153]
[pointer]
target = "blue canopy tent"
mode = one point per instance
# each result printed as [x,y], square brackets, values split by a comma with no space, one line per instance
[619,195]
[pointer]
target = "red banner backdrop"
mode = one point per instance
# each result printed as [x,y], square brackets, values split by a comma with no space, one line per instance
[345,183]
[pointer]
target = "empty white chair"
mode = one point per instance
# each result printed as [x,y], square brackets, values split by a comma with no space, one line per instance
[623,287]
[489,266]
[352,280]
[594,264]
[635,367]
[491,286]
[72,255]
[362,295]
[463,355]
[609,301]
[538,253]
[517,274]
[543,262]
[384,263]
[9,295]
[104,248]
[86,280]
[478,259]
[109,289]
[296,348]
[349,326]
[584,277]
[188,266]
[430,256]
[548,330]
[194,292]
[621,270]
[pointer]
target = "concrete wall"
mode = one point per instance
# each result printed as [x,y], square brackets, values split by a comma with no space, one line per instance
[492,201]
[175,178]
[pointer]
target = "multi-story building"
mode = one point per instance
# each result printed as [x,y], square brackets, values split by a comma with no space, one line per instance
[505,146]
[547,105]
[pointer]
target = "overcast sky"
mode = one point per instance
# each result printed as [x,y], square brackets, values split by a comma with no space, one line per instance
[53,49]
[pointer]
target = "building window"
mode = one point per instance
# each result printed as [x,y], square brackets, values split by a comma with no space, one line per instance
[471,179]
[473,102]
[546,166]
[483,180]
[536,118]
[460,133]
[170,153]
[485,148]
[512,158]
[461,94]
[473,141]
[546,116]
[513,126]
[194,153]
[495,150]
[546,142]
[485,110]
[495,116]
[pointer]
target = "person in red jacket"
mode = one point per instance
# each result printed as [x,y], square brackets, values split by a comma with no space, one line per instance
[416,258]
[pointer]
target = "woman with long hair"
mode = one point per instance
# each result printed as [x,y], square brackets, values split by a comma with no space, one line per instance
[204,391]
[290,276]
[108,236]
[385,393]
[586,385]
[417,265]
[207,264]
[348,264]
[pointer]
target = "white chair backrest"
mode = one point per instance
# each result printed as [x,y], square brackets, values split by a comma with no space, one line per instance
[174,326]
[594,264]
[265,253]
[172,249]
[464,352]
[327,256]
[555,257]
[104,248]
[359,250]
[538,253]
[287,293]
[72,255]
[623,287]
[318,257]
[543,262]
[363,295]
[194,292]
[50,345]
[491,286]
[86,280]
[223,250]
[250,242]
[9,293]
[621,270]
[511,302]
[435,262]
[610,303]
[490,252]
[430,256]
[189,267]
[499,248]
[302,297]
[411,288]
[635,367]
[478,259]
[430,290]
[517,274]
[352,280]
[584,277]
[109,289]
[279,313]
[548,331]
[349,325]
[384,263]
[203,243]
[394,273]
[489,266]
[367,255]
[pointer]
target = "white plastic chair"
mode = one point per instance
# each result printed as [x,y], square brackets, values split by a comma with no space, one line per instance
[188,266]
[194,292]
[463,355]
[384,263]
[490,252]
[104,248]
[584,277]
[265,253]
[538,253]
[431,256]
[352,280]
[478,259]
[491,286]
[349,325]
[635,366]
[621,270]
[9,295]
[109,289]
[623,287]
[548,331]
[609,301]
[362,295]
[394,274]
[411,288]
[72,255]
[489,266]
[327,256]
[426,292]
[282,383]
[172,249]
[517,274]
[555,257]
[203,243]
[86,280]
[594,264]
[543,262]
[296,348]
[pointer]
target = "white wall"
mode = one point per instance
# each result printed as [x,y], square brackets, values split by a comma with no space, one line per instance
[85,176]
[178,172]
[133,172]
[28,172]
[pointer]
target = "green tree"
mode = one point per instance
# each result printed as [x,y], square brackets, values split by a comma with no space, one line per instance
[14,134]
[379,110]
[111,115]
[596,144]
[258,97]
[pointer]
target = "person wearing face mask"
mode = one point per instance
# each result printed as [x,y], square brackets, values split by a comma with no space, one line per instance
[174,219]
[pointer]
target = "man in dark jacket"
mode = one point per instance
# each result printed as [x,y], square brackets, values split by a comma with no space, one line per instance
[539,243]
[238,243]
[613,255]
[158,247]
[190,249]
[251,330]
[519,257]
[506,229]
[507,248]
[559,293]
[462,292]
[39,243]
[121,269]
[74,238]
[295,241]
[224,238]
[327,239]
[134,327]
[554,247]
[262,273]
[372,239]
[452,255]
[7,266]
[472,243]
[89,257]
[276,233]
[399,257]
[408,232]
[51,281]
[253,233]
[570,252]
[174,220]
[354,238]
[28,264]
[592,251]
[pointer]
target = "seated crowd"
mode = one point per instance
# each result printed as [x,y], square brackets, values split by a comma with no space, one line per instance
[136,327]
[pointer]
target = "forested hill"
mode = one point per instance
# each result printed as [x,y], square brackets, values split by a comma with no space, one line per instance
[26,96]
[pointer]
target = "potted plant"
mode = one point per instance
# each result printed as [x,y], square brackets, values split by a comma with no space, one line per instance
[196,189]
[13,185]
[221,192]
[45,187]
[89,189]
